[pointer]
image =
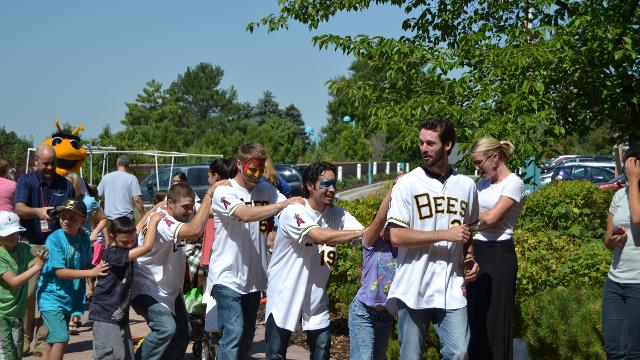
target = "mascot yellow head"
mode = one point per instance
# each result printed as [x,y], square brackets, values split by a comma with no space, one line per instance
[70,154]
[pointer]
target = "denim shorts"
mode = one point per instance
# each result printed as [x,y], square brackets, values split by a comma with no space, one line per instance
[58,324]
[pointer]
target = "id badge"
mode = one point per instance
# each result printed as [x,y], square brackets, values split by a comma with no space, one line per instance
[44,226]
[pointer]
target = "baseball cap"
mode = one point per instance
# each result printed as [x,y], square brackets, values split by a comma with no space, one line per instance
[74,204]
[9,223]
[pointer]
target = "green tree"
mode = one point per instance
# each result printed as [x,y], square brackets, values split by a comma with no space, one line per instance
[293,115]
[281,139]
[529,72]
[14,149]
[266,107]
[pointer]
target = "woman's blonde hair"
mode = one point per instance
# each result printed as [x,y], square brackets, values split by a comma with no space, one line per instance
[75,182]
[270,172]
[488,145]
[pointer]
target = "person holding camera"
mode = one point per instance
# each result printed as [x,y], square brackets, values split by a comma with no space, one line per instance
[621,293]
[37,195]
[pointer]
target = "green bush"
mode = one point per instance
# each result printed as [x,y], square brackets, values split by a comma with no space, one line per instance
[564,323]
[548,259]
[574,208]
[559,246]
[344,281]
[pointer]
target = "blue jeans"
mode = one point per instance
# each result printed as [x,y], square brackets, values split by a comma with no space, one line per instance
[621,320]
[277,339]
[237,315]
[369,331]
[451,326]
[169,335]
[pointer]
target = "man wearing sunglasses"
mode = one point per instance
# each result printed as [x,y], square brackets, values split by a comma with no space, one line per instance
[304,252]
[237,274]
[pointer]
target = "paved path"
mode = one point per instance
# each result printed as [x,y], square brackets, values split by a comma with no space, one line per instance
[80,346]
[356,193]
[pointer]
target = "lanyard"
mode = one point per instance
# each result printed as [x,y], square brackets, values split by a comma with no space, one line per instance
[45,202]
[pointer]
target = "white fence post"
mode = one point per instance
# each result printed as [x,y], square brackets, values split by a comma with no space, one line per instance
[339,173]
[375,168]
[398,167]
[359,171]
[407,168]
[388,168]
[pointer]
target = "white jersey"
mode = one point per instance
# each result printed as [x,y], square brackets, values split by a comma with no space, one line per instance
[239,253]
[299,268]
[160,273]
[431,276]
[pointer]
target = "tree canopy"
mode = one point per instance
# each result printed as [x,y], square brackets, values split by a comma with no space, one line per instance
[195,115]
[530,72]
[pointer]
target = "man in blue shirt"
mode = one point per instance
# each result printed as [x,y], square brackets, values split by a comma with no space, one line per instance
[36,193]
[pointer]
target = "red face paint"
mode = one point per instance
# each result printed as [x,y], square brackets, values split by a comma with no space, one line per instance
[253,167]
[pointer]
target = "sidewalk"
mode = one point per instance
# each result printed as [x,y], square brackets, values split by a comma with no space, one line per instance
[80,346]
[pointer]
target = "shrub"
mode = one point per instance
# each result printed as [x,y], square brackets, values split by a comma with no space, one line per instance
[575,208]
[564,323]
[344,281]
[548,259]
[562,264]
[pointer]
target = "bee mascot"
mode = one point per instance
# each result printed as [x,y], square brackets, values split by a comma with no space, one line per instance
[70,154]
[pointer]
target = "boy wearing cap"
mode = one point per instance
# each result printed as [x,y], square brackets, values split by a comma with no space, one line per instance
[14,274]
[62,283]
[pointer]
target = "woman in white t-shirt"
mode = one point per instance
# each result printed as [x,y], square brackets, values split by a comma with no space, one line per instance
[621,292]
[491,297]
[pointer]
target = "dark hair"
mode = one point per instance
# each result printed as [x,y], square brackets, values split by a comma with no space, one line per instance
[181,175]
[313,172]
[179,191]
[444,128]
[220,167]
[122,225]
[232,167]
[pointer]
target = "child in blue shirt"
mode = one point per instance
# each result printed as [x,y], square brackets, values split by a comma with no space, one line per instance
[62,285]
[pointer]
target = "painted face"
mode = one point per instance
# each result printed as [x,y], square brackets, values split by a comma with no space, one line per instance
[253,169]
[325,188]
[70,221]
[326,184]
[485,164]
[432,149]
[181,209]
[124,240]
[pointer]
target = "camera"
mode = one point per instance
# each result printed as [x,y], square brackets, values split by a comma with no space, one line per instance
[53,214]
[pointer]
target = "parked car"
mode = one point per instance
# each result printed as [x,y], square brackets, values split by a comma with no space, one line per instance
[292,174]
[196,174]
[595,174]
[615,184]
[552,163]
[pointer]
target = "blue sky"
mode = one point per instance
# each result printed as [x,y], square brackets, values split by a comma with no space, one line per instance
[80,61]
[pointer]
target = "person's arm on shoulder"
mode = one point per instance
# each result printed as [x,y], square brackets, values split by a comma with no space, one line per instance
[257,213]
[16,280]
[193,229]
[149,237]
[328,236]
[632,168]
[101,225]
[378,223]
